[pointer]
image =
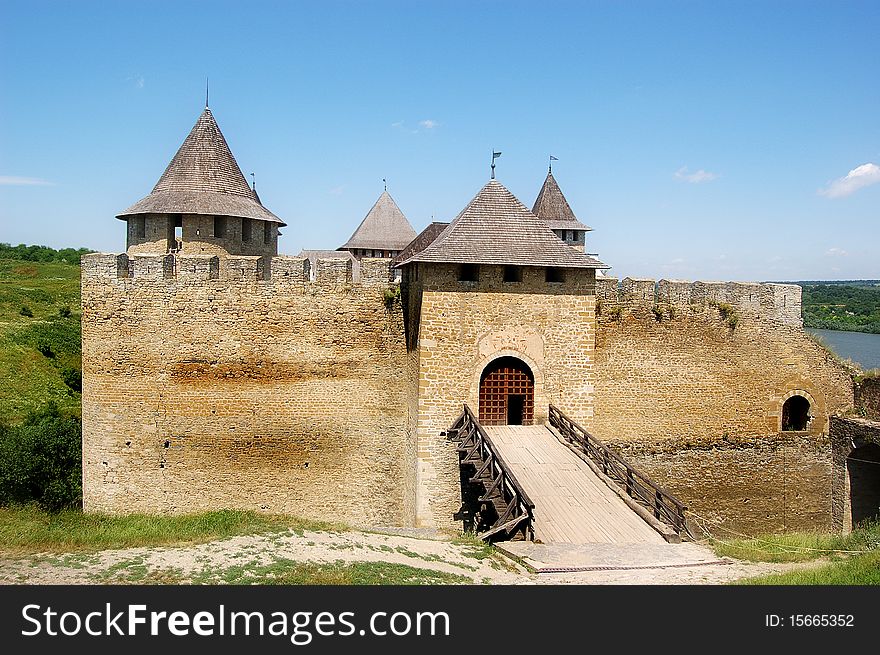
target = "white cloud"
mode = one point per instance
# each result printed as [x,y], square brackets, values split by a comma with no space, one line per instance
[137,80]
[697,177]
[15,180]
[337,190]
[835,252]
[427,124]
[857,178]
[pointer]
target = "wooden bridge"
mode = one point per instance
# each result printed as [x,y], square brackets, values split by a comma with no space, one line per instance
[558,484]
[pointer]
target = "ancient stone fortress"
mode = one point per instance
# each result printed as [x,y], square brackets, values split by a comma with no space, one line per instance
[219,374]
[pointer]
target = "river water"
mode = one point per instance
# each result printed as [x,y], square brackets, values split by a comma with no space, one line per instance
[860,347]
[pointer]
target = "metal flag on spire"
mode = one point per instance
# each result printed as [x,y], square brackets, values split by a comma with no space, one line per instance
[253,181]
[206,93]
[495,155]
[552,159]
[385,183]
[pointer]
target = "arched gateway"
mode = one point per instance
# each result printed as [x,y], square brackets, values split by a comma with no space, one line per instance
[507,393]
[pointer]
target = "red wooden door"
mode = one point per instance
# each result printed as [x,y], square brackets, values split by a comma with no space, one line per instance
[507,393]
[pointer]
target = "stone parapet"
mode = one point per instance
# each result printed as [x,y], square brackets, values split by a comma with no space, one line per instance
[771,301]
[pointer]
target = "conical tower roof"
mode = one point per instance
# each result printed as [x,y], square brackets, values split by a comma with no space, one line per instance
[496,228]
[383,228]
[552,206]
[203,178]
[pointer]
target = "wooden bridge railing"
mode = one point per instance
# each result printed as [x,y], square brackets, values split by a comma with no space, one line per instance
[513,509]
[664,505]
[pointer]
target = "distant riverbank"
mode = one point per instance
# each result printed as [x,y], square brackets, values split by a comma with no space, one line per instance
[861,347]
[851,306]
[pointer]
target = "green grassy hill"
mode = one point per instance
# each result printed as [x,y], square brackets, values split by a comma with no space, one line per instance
[40,349]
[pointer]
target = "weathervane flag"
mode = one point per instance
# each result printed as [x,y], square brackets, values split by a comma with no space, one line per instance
[495,155]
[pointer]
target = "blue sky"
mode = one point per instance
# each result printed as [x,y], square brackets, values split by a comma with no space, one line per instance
[700,140]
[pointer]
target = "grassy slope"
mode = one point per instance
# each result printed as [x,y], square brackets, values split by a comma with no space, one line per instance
[28,378]
[28,530]
[855,557]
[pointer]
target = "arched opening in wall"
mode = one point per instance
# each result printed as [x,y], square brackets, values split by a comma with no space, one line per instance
[795,414]
[507,393]
[863,468]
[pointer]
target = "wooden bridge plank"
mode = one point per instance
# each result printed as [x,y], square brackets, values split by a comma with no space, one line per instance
[572,504]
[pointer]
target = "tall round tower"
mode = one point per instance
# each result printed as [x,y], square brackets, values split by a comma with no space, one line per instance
[202,204]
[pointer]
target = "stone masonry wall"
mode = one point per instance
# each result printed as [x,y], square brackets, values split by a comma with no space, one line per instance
[690,385]
[462,327]
[867,398]
[233,382]
[848,434]
[197,236]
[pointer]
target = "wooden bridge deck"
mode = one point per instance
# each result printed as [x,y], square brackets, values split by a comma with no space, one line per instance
[572,504]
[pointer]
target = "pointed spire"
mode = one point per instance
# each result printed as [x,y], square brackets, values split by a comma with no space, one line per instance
[383,228]
[552,206]
[203,178]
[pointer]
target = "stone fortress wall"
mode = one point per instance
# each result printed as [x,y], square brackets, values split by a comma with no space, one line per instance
[691,381]
[239,382]
[236,382]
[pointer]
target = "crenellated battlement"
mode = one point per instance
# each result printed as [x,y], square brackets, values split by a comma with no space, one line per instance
[776,302]
[295,271]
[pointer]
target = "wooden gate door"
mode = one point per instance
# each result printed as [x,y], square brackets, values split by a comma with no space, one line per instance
[507,393]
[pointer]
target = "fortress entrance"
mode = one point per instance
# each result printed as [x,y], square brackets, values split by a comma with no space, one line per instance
[863,466]
[507,393]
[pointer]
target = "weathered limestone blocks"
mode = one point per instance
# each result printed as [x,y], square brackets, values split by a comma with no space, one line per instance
[244,267]
[674,292]
[152,267]
[333,272]
[375,271]
[637,292]
[196,268]
[606,291]
[291,270]
[282,271]
[771,301]
[100,265]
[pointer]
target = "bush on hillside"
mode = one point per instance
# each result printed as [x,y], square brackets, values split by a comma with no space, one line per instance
[72,377]
[41,460]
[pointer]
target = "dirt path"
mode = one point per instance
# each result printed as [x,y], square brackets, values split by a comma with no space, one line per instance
[255,559]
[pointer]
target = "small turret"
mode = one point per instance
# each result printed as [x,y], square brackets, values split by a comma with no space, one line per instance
[553,208]
[202,204]
[384,232]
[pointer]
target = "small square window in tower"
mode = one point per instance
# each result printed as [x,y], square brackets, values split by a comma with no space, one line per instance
[512,274]
[554,275]
[469,273]
[219,227]
[246,227]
